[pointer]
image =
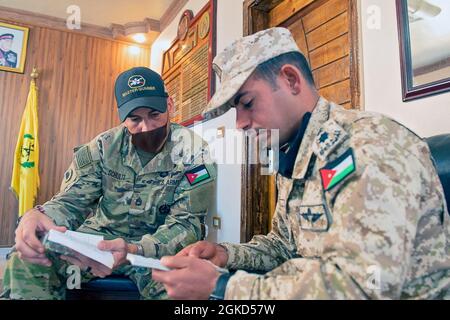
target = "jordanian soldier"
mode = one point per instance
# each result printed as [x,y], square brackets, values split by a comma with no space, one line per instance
[360,212]
[146,185]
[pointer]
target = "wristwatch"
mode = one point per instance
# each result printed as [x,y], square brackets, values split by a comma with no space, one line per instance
[40,208]
[140,249]
[221,286]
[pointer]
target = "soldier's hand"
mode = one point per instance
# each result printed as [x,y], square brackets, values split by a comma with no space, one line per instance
[118,248]
[206,250]
[87,264]
[191,277]
[28,246]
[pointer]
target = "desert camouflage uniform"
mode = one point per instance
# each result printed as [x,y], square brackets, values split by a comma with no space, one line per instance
[388,218]
[155,206]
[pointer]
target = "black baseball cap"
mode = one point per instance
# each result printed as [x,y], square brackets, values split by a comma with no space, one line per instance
[140,87]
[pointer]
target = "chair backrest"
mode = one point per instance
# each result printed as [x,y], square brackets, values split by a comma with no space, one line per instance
[440,150]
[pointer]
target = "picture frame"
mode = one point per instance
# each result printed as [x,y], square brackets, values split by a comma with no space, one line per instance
[13,47]
[424,38]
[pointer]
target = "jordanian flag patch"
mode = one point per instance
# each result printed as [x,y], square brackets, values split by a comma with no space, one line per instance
[337,170]
[197,175]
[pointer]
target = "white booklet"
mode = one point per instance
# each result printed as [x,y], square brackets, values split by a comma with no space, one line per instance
[83,243]
[140,261]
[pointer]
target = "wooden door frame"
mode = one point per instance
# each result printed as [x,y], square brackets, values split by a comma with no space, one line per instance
[254,205]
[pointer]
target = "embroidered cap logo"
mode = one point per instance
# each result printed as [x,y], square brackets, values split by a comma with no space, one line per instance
[136,81]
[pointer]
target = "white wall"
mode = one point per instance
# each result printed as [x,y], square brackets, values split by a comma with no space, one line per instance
[228,193]
[382,80]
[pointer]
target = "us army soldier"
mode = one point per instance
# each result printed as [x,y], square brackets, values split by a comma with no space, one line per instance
[147,183]
[360,211]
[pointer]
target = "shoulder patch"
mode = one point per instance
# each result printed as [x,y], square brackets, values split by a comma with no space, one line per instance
[337,170]
[330,136]
[198,174]
[83,157]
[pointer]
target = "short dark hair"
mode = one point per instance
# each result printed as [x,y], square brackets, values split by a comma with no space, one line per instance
[270,69]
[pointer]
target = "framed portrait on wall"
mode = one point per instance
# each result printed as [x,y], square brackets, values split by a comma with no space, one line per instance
[424,35]
[13,47]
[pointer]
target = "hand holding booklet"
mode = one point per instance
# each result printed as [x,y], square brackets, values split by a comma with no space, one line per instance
[83,243]
[140,261]
[86,244]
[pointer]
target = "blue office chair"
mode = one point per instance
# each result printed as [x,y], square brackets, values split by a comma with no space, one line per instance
[440,150]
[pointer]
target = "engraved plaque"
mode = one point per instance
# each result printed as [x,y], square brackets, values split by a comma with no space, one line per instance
[187,67]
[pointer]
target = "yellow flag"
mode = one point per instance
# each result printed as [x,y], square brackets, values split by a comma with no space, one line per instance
[25,177]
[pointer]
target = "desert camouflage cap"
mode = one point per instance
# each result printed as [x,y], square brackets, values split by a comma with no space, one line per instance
[237,62]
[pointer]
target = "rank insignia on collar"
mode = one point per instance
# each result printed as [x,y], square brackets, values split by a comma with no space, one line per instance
[337,170]
[330,136]
[197,175]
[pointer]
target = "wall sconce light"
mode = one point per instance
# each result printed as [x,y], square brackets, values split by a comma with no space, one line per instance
[134,50]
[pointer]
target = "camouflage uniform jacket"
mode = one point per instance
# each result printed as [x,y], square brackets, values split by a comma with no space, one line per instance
[379,229]
[161,206]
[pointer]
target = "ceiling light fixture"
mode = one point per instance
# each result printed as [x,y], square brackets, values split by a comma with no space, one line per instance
[139,37]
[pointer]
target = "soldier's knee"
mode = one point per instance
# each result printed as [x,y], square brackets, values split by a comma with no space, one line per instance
[16,266]
[24,280]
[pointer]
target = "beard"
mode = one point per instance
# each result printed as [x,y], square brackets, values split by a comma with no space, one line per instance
[153,140]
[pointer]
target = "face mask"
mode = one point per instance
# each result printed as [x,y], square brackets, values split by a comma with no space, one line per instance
[151,141]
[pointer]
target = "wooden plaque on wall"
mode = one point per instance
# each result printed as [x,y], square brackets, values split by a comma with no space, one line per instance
[187,64]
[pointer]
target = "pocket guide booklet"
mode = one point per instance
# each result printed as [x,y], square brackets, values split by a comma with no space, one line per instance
[83,243]
[139,261]
[86,244]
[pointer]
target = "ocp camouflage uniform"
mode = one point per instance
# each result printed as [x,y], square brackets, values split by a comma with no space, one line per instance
[381,231]
[107,191]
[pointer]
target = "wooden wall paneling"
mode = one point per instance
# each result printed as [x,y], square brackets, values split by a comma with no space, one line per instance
[76,103]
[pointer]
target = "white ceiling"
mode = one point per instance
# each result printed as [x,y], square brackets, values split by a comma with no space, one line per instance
[430,38]
[98,12]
